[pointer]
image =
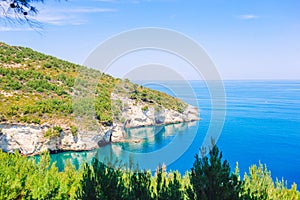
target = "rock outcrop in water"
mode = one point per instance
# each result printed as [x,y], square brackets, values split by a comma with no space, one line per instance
[136,116]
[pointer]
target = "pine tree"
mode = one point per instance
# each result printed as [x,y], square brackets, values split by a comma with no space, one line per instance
[211,178]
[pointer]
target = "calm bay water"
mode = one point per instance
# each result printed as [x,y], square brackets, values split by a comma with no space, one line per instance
[262,124]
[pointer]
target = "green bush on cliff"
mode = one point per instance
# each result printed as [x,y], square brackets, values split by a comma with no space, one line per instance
[145,108]
[74,130]
[53,132]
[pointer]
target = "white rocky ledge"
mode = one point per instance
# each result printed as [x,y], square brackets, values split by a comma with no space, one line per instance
[29,139]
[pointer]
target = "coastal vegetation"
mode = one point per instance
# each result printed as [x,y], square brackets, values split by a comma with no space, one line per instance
[37,88]
[209,178]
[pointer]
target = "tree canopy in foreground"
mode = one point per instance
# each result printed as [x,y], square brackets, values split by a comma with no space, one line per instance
[210,178]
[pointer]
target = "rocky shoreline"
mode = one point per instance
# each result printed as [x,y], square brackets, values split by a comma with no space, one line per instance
[30,139]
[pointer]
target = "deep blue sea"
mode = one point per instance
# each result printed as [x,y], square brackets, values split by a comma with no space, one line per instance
[262,124]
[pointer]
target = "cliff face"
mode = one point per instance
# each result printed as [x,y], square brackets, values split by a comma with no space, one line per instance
[31,139]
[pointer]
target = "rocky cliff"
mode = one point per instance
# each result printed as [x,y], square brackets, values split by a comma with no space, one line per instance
[139,114]
[30,139]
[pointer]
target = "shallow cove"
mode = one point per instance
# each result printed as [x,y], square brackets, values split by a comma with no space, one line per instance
[147,153]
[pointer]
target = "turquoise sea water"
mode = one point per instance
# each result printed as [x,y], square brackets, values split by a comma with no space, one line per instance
[262,124]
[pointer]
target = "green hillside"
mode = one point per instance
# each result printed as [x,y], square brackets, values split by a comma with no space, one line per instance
[38,88]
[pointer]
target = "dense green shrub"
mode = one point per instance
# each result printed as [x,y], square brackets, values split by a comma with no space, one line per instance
[24,178]
[53,132]
[209,178]
[168,187]
[13,85]
[101,182]
[258,184]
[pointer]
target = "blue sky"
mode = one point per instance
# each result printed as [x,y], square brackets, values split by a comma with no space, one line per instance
[257,39]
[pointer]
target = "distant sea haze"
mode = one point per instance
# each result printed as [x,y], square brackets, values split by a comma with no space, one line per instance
[262,124]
